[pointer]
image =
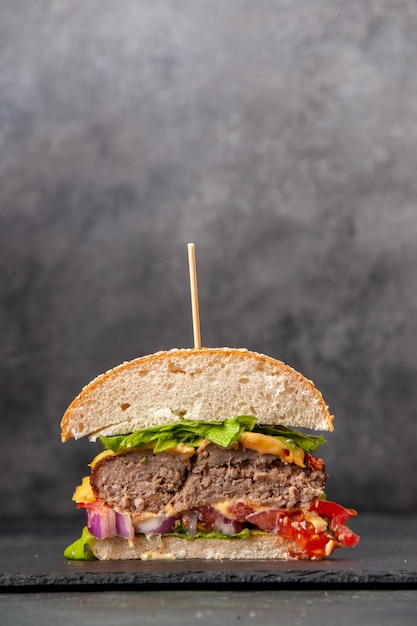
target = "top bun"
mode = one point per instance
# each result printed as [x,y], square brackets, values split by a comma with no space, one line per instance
[210,384]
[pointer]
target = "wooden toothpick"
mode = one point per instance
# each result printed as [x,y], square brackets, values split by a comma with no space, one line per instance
[194,296]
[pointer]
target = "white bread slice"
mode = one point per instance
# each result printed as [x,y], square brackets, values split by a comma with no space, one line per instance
[210,384]
[256,547]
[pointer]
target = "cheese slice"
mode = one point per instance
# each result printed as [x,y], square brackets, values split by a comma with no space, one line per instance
[84,493]
[100,456]
[179,450]
[265,444]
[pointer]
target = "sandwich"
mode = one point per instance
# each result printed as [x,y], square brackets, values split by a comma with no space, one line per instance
[205,454]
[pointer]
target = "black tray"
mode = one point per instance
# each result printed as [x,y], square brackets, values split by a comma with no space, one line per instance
[385,556]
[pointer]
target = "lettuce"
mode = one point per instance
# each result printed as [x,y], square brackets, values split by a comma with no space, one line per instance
[223,434]
[308,443]
[187,432]
[80,549]
[182,534]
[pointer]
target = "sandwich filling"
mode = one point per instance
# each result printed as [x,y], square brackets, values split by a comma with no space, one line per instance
[225,480]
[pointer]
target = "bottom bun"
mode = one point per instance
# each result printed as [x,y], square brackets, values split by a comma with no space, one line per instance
[256,547]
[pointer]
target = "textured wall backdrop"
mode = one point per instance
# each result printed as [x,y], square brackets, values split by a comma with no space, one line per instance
[280,137]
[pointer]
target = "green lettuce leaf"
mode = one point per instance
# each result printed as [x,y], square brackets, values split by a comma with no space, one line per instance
[307,442]
[182,534]
[80,549]
[223,434]
[188,432]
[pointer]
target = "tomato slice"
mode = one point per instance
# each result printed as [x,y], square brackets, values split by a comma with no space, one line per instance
[338,513]
[338,516]
[294,525]
[346,537]
[316,546]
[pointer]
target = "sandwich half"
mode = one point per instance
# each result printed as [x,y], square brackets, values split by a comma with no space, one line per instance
[201,459]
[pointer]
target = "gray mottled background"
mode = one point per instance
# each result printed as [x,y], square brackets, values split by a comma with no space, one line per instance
[280,137]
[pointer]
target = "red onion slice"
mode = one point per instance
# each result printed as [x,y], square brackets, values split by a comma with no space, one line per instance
[124,526]
[101,522]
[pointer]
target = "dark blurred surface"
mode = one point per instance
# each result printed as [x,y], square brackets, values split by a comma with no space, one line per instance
[315,608]
[281,139]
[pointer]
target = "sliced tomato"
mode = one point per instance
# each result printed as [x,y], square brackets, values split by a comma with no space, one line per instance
[310,543]
[339,514]
[294,525]
[286,524]
[346,537]
[316,546]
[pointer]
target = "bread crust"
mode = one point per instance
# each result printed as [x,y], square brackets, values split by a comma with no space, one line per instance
[210,384]
[256,547]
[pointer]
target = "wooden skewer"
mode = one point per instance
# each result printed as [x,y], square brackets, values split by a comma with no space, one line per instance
[194,296]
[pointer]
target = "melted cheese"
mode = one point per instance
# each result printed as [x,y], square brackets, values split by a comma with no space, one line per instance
[224,506]
[318,522]
[84,493]
[181,450]
[178,450]
[102,455]
[262,444]
[330,546]
[265,444]
[168,510]
[153,556]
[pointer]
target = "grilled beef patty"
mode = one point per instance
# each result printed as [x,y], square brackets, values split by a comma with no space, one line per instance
[138,481]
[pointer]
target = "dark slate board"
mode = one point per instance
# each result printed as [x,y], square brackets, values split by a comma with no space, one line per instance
[386,555]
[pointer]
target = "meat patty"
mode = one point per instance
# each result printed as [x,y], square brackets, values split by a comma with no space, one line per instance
[140,481]
[226,473]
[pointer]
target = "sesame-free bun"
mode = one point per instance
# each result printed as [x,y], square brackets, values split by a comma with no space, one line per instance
[208,384]
[256,547]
